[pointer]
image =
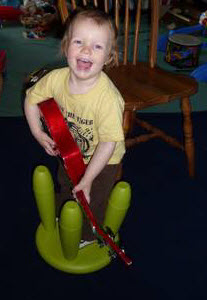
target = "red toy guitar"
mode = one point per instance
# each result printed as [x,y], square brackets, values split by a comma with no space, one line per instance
[73,163]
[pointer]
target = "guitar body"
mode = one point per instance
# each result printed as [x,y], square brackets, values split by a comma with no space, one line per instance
[74,165]
[58,130]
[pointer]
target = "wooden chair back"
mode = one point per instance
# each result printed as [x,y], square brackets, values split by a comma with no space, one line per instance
[63,10]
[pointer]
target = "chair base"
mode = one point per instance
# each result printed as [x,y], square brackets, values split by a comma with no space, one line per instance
[90,258]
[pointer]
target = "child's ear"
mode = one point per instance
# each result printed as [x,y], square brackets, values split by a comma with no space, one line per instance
[112,59]
[108,61]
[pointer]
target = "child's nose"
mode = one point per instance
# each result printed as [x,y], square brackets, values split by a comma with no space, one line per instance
[87,49]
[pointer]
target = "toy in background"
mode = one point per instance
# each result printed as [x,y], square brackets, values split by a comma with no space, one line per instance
[9,10]
[203,21]
[183,50]
[196,37]
[200,73]
[38,17]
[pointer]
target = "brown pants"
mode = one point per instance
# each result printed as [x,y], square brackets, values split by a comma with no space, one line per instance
[100,191]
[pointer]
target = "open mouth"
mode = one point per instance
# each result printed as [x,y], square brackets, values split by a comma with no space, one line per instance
[84,64]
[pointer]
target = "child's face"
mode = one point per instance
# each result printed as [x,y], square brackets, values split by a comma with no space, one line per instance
[89,49]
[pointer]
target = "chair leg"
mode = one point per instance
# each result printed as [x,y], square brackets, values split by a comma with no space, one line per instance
[128,122]
[188,135]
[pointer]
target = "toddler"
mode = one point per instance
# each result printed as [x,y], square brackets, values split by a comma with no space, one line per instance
[90,103]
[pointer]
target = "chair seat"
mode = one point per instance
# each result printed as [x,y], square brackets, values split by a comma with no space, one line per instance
[142,86]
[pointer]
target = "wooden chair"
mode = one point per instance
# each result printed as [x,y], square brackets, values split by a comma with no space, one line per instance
[63,10]
[143,84]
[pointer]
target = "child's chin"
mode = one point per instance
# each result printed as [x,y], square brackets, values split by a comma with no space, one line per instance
[84,74]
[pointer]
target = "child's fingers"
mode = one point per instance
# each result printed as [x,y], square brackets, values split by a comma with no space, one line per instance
[50,148]
[49,145]
[78,188]
[50,152]
[49,140]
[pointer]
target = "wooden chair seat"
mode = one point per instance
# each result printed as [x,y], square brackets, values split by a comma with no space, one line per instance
[142,86]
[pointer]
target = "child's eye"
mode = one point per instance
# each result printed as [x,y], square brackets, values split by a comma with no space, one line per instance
[98,47]
[78,42]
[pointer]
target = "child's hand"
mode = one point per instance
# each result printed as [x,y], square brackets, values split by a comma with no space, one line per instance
[85,187]
[99,160]
[47,143]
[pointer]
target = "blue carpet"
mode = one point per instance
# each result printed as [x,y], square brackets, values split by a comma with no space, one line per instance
[166,227]
[164,232]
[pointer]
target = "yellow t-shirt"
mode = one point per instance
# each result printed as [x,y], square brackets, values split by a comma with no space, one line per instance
[94,117]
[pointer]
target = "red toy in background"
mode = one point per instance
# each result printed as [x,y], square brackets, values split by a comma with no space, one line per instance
[9,13]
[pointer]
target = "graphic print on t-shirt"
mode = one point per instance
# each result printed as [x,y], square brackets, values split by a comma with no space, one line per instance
[82,132]
[81,137]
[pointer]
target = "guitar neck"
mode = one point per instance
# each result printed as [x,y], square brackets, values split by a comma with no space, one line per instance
[108,240]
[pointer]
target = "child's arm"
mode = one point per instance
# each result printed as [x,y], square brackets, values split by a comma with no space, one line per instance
[33,118]
[99,160]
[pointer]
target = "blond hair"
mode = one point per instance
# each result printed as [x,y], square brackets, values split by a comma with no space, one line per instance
[100,18]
